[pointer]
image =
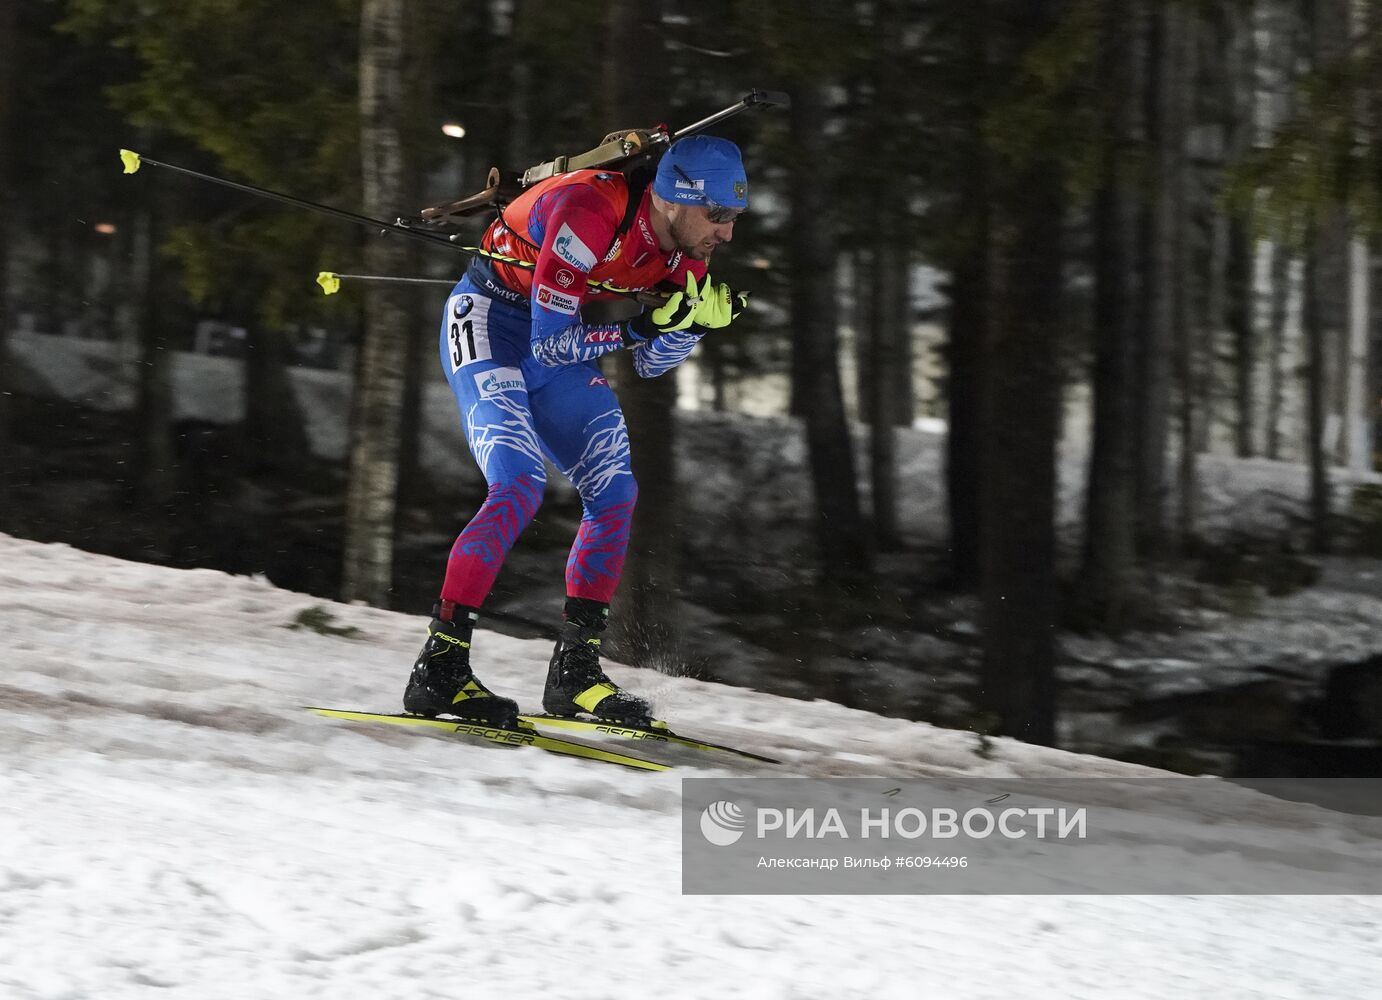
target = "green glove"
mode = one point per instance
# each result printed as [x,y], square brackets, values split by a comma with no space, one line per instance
[708,305]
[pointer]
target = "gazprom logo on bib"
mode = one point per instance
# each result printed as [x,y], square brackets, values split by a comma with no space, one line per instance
[722,823]
[492,383]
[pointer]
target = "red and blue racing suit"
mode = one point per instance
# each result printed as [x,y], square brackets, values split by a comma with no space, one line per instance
[523,367]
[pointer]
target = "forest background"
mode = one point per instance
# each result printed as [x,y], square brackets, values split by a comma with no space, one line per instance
[1160,212]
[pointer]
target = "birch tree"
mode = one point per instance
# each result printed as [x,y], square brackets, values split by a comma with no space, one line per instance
[379,383]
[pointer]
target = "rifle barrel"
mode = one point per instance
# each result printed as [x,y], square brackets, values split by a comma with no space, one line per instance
[754,98]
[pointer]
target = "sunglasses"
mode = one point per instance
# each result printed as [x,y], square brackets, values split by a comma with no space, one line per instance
[714,211]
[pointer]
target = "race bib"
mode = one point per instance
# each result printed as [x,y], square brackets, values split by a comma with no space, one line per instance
[467,330]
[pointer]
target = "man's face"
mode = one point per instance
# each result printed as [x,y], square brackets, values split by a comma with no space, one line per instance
[695,235]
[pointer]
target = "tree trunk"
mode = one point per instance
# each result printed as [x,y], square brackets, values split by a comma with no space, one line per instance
[1238,317]
[274,431]
[1358,395]
[1107,582]
[1022,395]
[903,407]
[9,74]
[1326,302]
[890,355]
[156,461]
[881,414]
[651,585]
[1160,230]
[1277,377]
[893,405]
[1278,28]
[379,382]
[1330,251]
[1190,318]
[1359,406]
[968,319]
[1239,261]
[863,261]
[816,387]
[885,338]
[1316,392]
[420,368]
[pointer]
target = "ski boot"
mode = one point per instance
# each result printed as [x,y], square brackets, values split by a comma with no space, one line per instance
[442,682]
[576,685]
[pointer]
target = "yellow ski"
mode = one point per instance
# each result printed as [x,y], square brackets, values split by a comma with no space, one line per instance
[525,736]
[654,732]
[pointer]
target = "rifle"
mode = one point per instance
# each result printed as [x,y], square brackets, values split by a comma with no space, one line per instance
[620,150]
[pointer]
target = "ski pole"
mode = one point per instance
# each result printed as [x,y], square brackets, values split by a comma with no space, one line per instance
[331,280]
[133,161]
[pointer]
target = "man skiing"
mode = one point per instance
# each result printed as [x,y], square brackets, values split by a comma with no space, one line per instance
[524,369]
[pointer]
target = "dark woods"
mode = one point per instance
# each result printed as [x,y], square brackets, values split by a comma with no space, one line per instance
[1137,233]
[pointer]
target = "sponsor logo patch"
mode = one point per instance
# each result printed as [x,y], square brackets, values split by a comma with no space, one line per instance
[613,249]
[556,301]
[697,185]
[461,306]
[565,278]
[492,383]
[568,247]
[600,335]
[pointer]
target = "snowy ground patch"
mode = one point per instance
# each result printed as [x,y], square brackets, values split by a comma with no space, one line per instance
[174,825]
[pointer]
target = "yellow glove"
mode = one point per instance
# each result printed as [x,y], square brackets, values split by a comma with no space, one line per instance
[708,305]
[718,305]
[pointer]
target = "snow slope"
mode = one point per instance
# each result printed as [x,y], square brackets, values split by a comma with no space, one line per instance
[174,826]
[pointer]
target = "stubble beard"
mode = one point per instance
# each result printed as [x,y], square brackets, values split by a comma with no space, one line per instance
[695,250]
